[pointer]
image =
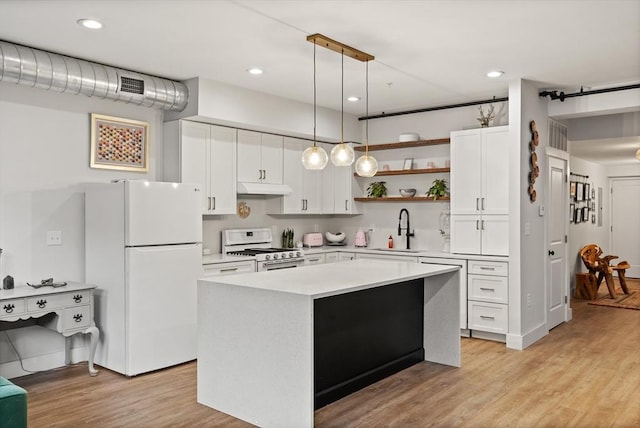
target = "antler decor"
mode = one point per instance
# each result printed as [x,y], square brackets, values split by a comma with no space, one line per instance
[484,119]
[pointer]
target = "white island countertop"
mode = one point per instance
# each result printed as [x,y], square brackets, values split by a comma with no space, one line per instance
[319,281]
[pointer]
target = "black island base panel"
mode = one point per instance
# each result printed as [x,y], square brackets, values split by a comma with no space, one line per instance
[365,336]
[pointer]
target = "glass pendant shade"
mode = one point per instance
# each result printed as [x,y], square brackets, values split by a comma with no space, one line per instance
[314,157]
[366,166]
[342,155]
[638,154]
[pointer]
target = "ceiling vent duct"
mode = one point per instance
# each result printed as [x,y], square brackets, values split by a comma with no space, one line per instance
[41,69]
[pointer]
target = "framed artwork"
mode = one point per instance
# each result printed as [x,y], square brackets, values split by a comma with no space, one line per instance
[585,214]
[579,191]
[593,219]
[118,143]
[577,216]
[587,192]
[572,190]
[593,206]
[572,212]
[408,163]
[593,192]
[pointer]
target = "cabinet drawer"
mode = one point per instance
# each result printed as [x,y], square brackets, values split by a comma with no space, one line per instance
[219,269]
[488,268]
[76,317]
[48,301]
[488,317]
[488,288]
[11,307]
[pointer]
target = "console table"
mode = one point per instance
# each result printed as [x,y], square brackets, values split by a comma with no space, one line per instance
[72,304]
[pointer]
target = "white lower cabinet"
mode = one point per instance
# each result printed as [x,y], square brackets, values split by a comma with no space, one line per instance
[476,234]
[400,258]
[338,257]
[229,268]
[488,296]
[313,259]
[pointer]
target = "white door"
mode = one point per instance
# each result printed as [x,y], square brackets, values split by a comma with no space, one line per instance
[222,170]
[495,170]
[249,156]
[495,235]
[466,183]
[625,226]
[557,280]
[194,166]
[161,306]
[292,176]
[162,213]
[466,234]
[272,157]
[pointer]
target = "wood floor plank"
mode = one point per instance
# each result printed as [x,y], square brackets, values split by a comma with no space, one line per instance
[585,373]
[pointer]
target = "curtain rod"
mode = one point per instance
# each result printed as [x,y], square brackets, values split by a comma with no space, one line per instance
[554,95]
[579,175]
[427,109]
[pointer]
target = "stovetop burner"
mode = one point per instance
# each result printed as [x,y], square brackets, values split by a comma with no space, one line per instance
[257,243]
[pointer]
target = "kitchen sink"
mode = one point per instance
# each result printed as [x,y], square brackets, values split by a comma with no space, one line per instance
[396,250]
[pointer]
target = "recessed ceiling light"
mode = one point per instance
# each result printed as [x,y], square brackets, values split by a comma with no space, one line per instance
[495,73]
[255,70]
[353,99]
[91,24]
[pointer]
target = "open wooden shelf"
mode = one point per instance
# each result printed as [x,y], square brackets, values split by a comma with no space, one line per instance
[409,171]
[403,145]
[402,199]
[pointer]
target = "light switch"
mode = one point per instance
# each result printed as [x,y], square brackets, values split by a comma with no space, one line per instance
[54,237]
[527,229]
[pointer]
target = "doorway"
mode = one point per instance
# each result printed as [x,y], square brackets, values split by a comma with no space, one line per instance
[625,227]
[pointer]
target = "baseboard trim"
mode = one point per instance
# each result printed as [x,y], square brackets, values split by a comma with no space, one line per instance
[12,369]
[486,335]
[521,342]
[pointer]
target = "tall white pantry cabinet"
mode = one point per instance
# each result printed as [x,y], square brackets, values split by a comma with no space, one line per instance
[203,154]
[480,191]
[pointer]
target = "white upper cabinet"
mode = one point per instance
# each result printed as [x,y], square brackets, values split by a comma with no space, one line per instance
[306,184]
[480,191]
[259,157]
[206,155]
[480,171]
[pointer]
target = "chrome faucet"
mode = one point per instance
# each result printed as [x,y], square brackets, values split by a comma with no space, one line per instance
[408,228]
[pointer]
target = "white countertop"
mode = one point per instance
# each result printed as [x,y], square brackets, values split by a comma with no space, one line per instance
[223,258]
[400,251]
[325,280]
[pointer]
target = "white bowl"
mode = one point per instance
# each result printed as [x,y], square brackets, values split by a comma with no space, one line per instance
[407,193]
[408,137]
[335,238]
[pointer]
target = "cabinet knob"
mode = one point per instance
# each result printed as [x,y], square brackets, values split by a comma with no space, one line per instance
[9,308]
[77,317]
[77,298]
[552,253]
[41,303]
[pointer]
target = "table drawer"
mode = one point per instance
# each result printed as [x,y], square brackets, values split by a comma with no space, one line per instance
[488,317]
[11,307]
[54,301]
[488,268]
[488,288]
[218,269]
[76,317]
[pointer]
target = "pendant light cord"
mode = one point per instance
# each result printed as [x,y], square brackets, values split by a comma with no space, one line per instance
[366,137]
[314,95]
[342,98]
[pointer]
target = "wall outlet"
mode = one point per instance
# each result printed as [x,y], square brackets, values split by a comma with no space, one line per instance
[54,237]
[316,227]
[529,302]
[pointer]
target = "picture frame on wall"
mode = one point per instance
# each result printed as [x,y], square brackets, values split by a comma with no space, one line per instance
[572,190]
[408,163]
[577,216]
[585,214]
[119,143]
[587,192]
[593,219]
[579,192]
[593,192]
[572,212]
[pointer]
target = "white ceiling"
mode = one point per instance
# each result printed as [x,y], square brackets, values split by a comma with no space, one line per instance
[428,53]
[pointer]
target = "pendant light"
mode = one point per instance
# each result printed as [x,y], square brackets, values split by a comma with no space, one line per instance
[314,157]
[366,165]
[342,154]
[638,154]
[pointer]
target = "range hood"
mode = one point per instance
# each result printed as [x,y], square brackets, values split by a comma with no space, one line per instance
[245,188]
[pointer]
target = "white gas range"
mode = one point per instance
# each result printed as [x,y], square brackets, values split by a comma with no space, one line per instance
[258,243]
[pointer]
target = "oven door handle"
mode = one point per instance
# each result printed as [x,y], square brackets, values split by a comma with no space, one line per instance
[275,266]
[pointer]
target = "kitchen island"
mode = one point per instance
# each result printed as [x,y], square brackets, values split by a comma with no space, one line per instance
[273,346]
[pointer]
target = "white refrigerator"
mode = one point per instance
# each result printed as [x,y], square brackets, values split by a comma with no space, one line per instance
[143,251]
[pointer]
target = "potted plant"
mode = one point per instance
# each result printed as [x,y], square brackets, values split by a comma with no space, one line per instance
[377,189]
[438,189]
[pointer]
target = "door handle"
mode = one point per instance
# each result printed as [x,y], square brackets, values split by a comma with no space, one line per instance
[477,204]
[482,224]
[477,224]
[552,253]
[264,174]
[346,204]
[482,204]
[213,207]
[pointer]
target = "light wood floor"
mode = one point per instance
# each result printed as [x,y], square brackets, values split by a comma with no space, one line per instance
[585,373]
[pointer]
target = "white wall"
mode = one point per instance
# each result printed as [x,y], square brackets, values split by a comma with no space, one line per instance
[581,234]
[44,154]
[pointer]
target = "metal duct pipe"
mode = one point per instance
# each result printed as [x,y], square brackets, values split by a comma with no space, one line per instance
[41,69]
